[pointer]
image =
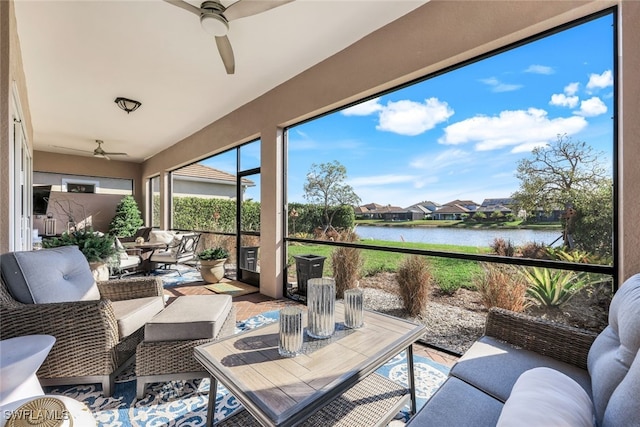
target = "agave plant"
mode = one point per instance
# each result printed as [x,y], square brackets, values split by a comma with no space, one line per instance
[552,288]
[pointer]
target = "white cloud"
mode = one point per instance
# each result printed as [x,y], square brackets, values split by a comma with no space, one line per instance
[528,147]
[562,100]
[510,128]
[374,180]
[600,81]
[413,118]
[444,159]
[591,107]
[572,88]
[363,109]
[498,86]
[539,69]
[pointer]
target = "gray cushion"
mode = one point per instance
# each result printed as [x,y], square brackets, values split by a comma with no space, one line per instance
[614,351]
[49,275]
[494,366]
[457,404]
[132,314]
[189,318]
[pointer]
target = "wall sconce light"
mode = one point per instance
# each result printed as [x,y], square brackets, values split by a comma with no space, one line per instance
[127,105]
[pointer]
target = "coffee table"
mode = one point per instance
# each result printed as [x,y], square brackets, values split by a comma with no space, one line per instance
[280,391]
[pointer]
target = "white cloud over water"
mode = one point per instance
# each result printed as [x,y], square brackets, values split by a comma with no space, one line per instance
[600,81]
[498,86]
[364,108]
[413,118]
[518,128]
[404,117]
[539,69]
[591,107]
[562,100]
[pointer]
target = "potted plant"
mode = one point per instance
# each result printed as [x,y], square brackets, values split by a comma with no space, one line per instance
[98,248]
[212,263]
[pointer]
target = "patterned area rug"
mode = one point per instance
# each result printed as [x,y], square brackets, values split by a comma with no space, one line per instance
[178,275]
[184,403]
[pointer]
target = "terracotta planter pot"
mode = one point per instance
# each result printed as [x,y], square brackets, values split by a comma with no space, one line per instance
[212,271]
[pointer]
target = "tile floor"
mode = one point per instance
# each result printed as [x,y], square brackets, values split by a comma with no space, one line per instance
[252,304]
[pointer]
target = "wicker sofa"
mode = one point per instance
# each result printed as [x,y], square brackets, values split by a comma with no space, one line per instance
[527,371]
[97,326]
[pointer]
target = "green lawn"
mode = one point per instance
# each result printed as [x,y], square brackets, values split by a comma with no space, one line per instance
[449,274]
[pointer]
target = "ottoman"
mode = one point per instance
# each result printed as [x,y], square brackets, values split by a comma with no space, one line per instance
[169,338]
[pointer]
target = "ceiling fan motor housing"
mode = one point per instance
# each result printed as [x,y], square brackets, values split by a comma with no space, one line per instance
[212,19]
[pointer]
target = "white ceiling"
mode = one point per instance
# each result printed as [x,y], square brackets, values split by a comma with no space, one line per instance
[80,55]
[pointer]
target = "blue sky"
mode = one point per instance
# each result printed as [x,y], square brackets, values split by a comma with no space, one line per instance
[460,135]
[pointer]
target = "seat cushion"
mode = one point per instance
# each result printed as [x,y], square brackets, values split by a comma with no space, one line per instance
[494,366]
[59,274]
[189,317]
[458,404]
[132,314]
[161,236]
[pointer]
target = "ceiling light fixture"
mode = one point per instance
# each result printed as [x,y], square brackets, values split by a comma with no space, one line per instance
[127,105]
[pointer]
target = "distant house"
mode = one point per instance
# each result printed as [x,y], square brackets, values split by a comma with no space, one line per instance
[426,207]
[489,206]
[455,210]
[202,181]
[368,211]
[451,212]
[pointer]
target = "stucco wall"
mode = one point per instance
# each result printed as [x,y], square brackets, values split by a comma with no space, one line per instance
[90,166]
[11,72]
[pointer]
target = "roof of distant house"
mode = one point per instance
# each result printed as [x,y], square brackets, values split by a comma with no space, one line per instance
[197,170]
[455,208]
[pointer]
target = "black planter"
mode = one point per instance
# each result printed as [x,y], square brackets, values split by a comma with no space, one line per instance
[249,258]
[308,267]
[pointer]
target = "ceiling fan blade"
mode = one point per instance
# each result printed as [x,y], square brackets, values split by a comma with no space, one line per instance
[116,154]
[104,156]
[226,53]
[184,5]
[243,8]
[69,148]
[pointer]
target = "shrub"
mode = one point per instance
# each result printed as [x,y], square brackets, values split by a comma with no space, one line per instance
[96,247]
[501,286]
[552,288]
[502,247]
[448,287]
[414,278]
[211,254]
[347,264]
[534,250]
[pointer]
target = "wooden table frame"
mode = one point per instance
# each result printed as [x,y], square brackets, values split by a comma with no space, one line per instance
[280,391]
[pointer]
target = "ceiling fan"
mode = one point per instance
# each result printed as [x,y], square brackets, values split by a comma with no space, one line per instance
[98,152]
[215,18]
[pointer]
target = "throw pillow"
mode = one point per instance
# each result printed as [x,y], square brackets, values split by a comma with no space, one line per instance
[543,397]
[161,236]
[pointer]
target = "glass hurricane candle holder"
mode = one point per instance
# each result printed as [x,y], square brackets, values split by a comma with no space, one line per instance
[353,308]
[321,305]
[290,338]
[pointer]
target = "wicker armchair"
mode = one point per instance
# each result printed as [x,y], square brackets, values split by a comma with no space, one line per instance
[89,346]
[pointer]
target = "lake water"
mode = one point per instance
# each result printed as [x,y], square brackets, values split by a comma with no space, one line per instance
[458,236]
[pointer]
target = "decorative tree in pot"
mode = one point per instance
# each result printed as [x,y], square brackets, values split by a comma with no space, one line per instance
[212,263]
